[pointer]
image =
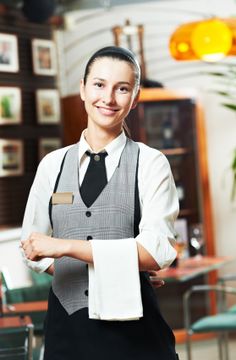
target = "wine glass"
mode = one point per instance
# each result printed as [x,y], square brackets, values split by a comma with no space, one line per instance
[197,239]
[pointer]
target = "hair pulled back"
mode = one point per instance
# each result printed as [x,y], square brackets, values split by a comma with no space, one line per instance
[118,53]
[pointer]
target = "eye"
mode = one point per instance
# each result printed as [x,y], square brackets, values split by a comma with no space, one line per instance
[123,89]
[98,84]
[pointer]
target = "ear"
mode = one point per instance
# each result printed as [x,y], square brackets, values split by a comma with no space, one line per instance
[82,89]
[135,101]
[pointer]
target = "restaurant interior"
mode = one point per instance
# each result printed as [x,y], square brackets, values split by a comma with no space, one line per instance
[186,109]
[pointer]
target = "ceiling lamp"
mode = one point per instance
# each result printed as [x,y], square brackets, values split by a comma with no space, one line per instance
[208,40]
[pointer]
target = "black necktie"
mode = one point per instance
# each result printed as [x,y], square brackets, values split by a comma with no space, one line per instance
[95,178]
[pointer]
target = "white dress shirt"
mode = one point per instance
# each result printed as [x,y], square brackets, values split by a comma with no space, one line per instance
[158,198]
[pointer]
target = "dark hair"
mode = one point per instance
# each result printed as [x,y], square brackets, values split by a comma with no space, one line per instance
[118,53]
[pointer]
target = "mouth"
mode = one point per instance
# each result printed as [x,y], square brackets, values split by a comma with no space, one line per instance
[107,110]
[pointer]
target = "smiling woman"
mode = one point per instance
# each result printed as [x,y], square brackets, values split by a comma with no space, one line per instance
[108,99]
[112,203]
[110,89]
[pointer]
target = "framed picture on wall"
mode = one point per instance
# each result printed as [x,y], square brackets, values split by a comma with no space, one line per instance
[10,105]
[11,157]
[9,61]
[44,57]
[48,106]
[46,145]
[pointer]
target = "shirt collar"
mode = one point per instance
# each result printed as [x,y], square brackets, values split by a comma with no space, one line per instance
[114,148]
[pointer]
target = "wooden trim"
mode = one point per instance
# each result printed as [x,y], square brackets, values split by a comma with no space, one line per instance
[204,179]
[181,336]
[206,197]
[14,322]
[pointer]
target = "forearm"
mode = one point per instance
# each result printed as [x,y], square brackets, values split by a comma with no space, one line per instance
[82,250]
[40,246]
[146,261]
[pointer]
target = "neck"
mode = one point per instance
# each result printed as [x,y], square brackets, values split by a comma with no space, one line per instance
[98,138]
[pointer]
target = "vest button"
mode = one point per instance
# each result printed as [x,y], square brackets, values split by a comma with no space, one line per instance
[89,237]
[88,213]
[86,293]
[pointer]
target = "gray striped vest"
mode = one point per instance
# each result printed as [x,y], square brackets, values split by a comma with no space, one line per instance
[111,216]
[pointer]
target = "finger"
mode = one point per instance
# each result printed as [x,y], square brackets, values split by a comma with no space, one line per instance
[152,273]
[158,283]
[25,245]
[22,242]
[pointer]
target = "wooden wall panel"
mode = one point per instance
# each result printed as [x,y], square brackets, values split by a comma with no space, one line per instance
[74,118]
[14,190]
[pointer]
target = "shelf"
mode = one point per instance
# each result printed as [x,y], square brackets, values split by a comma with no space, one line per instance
[176,151]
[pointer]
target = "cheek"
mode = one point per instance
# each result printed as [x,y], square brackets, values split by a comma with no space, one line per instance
[126,102]
[91,97]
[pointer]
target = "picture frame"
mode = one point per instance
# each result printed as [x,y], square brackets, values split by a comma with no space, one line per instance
[11,157]
[48,106]
[10,105]
[9,59]
[47,145]
[44,57]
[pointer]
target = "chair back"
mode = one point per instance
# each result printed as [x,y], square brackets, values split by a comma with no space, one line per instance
[16,337]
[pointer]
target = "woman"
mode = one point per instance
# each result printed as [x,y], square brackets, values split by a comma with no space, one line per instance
[110,236]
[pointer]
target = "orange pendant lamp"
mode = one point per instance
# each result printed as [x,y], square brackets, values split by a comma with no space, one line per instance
[207,40]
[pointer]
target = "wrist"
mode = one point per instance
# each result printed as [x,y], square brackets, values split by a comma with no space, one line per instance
[67,247]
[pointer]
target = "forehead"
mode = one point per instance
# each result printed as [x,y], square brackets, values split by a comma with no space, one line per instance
[112,69]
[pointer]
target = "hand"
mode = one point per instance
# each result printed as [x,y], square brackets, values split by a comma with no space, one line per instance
[39,246]
[157,282]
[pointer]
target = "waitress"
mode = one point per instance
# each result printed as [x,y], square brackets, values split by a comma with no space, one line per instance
[100,215]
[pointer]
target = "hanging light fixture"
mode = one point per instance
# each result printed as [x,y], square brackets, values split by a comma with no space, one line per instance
[208,40]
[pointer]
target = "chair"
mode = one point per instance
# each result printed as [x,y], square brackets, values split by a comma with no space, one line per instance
[16,338]
[223,322]
[222,280]
[38,291]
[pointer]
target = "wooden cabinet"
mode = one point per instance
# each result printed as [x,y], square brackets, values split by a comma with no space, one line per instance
[173,123]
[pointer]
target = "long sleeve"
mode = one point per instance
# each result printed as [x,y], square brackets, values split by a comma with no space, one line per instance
[159,206]
[36,217]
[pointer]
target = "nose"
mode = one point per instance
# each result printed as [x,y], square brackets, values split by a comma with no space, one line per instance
[108,97]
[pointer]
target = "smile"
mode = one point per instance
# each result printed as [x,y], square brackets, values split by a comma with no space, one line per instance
[106,111]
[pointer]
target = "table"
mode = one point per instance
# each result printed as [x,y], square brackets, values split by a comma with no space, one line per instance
[192,267]
[26,307]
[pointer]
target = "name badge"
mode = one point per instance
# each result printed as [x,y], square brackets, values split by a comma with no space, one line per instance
[62,198]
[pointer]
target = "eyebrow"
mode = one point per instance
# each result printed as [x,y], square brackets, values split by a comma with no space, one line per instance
[120,82]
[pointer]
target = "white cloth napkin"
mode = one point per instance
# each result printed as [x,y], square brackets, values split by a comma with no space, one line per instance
[114,283]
